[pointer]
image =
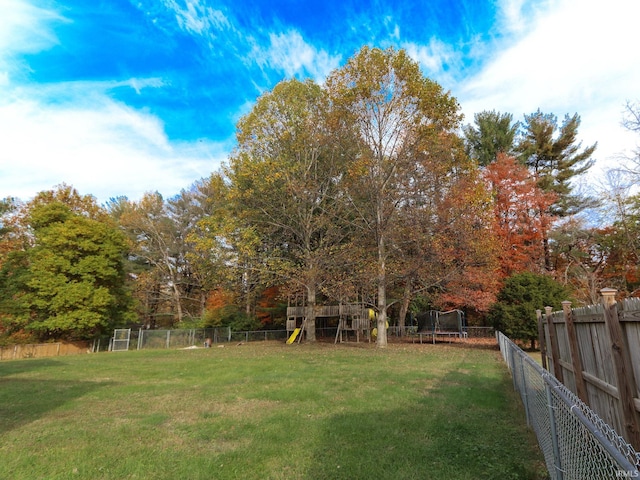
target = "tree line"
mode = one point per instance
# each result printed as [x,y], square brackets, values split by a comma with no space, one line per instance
[368,188]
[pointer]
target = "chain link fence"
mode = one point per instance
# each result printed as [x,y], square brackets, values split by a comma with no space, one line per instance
[179,338]
[141,339]
[575,442]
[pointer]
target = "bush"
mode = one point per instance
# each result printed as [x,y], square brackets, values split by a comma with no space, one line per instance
[231,316]
[514,312]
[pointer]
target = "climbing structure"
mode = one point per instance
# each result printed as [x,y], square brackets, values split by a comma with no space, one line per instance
[352,318]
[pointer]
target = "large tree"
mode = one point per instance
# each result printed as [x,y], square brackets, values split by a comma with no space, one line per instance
[227,250]
[555,156]
[467,249]
[615,245]
[159,232]
[520,215]
[631,121]
[283,178]
[398,121]
[8,228]
[73,277]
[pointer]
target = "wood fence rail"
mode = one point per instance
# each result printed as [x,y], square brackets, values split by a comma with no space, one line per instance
[595,352]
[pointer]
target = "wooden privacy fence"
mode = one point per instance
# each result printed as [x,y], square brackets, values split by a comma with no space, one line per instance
[595,352]
[40,350]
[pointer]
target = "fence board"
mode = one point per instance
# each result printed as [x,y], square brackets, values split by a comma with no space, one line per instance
[632,333]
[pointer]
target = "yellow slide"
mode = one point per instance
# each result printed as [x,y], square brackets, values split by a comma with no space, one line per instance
[293,336]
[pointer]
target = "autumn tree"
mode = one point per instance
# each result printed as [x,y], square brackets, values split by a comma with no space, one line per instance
[62,272]
[581,257]
[283,179]
[467,249]
[521,219]
[9,231]
[553,154]
[158,231]
[631,122]
[493,133]
[616,242]
[14,271]
[397,119]
[227,250]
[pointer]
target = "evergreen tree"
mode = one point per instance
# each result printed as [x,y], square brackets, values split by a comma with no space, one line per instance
[554,157]
[494,133]
[514,313]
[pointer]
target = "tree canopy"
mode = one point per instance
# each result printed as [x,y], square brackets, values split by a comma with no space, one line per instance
[493,133]
[367,188]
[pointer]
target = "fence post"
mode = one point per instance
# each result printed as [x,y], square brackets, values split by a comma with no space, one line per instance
[554,431]
[574,347]
[168,338]
[555,350]
[541,340]
[622,362]
[525,391]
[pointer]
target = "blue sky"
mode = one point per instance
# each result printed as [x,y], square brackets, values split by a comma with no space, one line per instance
[119,97]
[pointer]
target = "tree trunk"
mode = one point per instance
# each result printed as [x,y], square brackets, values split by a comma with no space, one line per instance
[404,307]
[311,313]
[178,303]
[176,291]
[381,340]
[547,252]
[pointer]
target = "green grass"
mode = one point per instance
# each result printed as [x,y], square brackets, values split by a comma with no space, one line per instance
[266,411]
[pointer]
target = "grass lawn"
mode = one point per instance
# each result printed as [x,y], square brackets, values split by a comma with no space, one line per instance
[266,411]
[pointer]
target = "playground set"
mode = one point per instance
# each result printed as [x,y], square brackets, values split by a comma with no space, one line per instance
[352,319]
[356,319]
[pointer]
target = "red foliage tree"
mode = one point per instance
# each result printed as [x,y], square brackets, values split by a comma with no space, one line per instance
[270,307]
[521,218]
[467,249]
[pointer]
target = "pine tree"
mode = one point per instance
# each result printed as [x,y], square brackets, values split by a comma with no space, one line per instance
[554,157]
[494,133]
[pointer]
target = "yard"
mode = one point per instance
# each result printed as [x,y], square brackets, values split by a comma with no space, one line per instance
[266,411]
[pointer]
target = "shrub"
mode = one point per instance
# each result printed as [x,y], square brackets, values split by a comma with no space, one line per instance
[514,312]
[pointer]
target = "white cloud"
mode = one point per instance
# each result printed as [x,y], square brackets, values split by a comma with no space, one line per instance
[578,56]
[24,28]
[436,59]
[514,16]
[291,54]
[96,144]
[197,17]
[75,133]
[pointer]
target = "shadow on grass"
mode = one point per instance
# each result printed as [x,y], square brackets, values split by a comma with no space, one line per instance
[23,400]
[16,367]
[465,427]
